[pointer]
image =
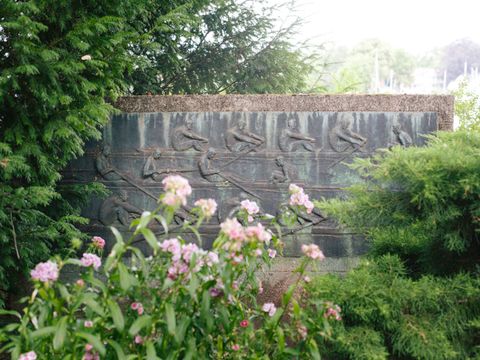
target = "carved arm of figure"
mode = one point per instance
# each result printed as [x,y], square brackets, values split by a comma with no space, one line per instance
[205,169]
[299,136]
[129,207]
[193,136]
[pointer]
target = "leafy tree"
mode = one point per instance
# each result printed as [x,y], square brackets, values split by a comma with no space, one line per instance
[224,46]
[456,54]
[467,107]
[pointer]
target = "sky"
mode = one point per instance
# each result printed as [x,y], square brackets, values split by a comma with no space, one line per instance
[414,25]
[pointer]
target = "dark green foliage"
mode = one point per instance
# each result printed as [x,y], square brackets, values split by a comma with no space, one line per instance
[215,46]
[51,101]
[388,315]
[421,203]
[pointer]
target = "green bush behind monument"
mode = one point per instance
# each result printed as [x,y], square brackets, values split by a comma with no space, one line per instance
[417,295]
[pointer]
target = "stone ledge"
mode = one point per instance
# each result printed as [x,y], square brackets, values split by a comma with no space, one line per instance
[440,104]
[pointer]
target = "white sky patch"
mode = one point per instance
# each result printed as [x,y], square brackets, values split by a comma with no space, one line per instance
[415,25]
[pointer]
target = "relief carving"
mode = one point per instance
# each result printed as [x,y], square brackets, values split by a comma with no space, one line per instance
[402,138]
[104,166]
[150,168]
[291,139]
[239,139]
[342,138]
[285,174]
[184,138]
[117,208]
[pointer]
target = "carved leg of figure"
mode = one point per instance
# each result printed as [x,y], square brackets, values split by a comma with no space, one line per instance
[199,146]
[301,143]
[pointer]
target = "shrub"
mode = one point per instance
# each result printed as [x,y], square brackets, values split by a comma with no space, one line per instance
[388,315]
[181,302]
[421,203]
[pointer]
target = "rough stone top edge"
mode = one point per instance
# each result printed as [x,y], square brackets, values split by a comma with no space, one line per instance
[441,104]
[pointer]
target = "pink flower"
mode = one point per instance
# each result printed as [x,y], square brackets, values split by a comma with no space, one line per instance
[80,283]
[307,279]
[258,252]
[272,253]
[294,189]
[138,307]
[207,206]
[214,292]
[299,198]
[138,339]
[171,199]
[244,323]
[333,312]
[88,347]
[302,331]
[312,251]
[92,260]
[212,258]
[88,323]
[31,355]
[179,187]
[188,250]
[98,242]
[250,206]
[172,246]
[250,218]
[269,308]
[235,347]
[45,272]
[233,229]
[259,233]
[91,356]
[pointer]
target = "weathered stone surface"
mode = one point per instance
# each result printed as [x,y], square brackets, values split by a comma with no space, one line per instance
[237,147]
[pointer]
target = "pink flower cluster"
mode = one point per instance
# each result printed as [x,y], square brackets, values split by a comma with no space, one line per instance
[176,189]
[332,312]
[89,355]
[31,355]
[299,198]
[92,260]
[238,234]
[207,206]
[182,256]
[251,208]
[269,308]
[98,242]
[138,307]
[45,272]
[313,252]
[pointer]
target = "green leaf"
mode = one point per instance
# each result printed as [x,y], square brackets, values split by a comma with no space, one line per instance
[150,237]
[10,312]
[193,286]
[280,339]
[182,329]
[118,349]
[46,331]
[151,353]
[93,305]
[139,324]
[60,333]
[125,279]
[117,315]
[313,349]
[94,340]
[117,235]
[288,295]
[171,322]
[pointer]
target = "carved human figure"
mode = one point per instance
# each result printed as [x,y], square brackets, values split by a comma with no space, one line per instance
[240,139]
[285,174]
[401,136]
[116,207]
[342,138]
[104,166]
[150,167]
[291,139]
[185,138]
[207,169]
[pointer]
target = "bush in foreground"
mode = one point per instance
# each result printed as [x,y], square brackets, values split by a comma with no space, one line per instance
[180,303]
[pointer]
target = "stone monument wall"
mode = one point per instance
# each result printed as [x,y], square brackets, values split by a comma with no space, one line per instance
[239,147]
